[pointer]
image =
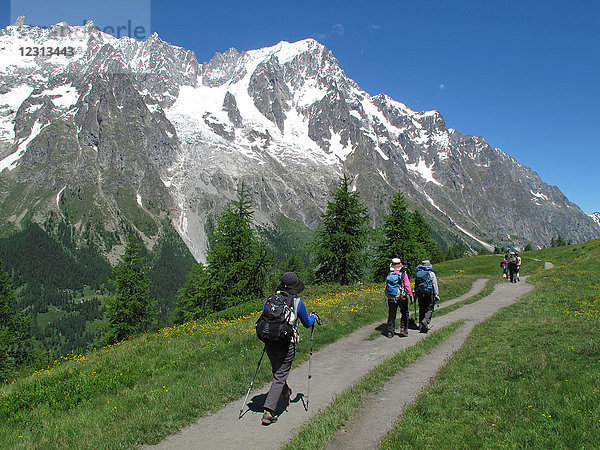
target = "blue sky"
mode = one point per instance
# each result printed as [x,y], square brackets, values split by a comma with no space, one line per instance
[524,75]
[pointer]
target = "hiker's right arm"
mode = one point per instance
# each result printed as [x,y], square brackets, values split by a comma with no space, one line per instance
[436,290]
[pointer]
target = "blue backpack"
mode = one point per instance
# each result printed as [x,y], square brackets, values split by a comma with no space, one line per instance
[423,282]
[393,285]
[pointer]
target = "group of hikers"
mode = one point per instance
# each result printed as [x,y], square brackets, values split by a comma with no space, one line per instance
[277,326]
[511,266]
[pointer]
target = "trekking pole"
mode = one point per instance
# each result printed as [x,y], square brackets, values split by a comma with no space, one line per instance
[252,382]
[312,334]
[415,305]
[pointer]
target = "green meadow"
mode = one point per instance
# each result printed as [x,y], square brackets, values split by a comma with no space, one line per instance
[527,377]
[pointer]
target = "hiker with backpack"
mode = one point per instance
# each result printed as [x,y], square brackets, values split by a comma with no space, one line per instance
[504,267]
[518,266]
[513,263]
[277,328]
[426,287]
[397,292]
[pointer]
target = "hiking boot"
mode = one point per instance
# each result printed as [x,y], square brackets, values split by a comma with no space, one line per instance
[268,418]
[390,334]
[403,332]
[423,327]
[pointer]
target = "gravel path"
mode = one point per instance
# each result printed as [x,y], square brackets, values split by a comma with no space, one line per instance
[365,430]
[334,369]
[477,287]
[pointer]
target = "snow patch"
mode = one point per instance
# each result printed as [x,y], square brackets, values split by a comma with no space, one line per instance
[539,195]
[309,94]
[58,197]
[63,96]
[9,105]
[10,162]
[424,171]
[138,198]
[337,148]
[485,244]
[382,175]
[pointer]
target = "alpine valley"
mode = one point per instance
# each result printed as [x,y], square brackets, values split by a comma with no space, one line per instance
[103,137]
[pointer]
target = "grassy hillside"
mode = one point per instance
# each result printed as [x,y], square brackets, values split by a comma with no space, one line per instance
[528,377]
[141,390]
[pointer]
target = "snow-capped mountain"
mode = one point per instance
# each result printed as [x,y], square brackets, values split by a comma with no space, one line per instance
[113,134]
[596,217]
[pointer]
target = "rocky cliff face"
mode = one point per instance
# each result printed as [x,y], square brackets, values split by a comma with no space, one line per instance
[126,135]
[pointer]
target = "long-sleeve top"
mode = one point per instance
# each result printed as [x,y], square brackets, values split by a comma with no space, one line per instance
[301,313]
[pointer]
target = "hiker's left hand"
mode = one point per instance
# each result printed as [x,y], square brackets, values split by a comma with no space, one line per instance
[317,318]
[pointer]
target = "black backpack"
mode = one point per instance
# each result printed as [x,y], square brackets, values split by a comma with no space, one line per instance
[276,323]
[513,262]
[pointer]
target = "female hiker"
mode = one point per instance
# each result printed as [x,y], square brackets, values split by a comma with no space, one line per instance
[281,349]
[397,291]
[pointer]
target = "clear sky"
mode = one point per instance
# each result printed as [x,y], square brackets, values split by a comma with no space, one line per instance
[525,75]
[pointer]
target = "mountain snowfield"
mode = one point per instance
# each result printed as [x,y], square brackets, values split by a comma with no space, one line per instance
[150,133]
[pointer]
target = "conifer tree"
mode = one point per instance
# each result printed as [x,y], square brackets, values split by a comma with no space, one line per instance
[130,310]
[423,236]
[340,242]
[237,265]
[399,239]
[190,302]
[15,339]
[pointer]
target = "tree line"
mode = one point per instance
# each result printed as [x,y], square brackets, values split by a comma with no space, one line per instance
[345,250]
[240,267]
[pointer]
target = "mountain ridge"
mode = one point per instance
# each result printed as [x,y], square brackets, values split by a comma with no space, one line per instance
[156,139]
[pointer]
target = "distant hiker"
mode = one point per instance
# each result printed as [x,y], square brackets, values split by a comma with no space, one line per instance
[397,292]
[504,266]
[426,287]
[513,263]
[281,339]
[518,274]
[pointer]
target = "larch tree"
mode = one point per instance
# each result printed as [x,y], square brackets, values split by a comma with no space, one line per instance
[130,310]
[340,242]
[237,264]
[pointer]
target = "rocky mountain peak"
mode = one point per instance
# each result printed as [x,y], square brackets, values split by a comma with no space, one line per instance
[142,123]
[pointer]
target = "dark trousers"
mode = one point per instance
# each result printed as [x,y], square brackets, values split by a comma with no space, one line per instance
[393,309]
[513,274]
[426,304]
[281,357]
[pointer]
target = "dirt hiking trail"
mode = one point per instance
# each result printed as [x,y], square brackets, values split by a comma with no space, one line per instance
[337,367]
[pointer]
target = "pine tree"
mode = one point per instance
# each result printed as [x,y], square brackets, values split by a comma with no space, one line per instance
[15,338]
[237,265]
[294,263]
[130,310]
[189,304]
[456,251]
[423,236]
[340,241]
[399,239]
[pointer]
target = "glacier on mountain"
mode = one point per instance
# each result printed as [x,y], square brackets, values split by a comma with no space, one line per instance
[284,119]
